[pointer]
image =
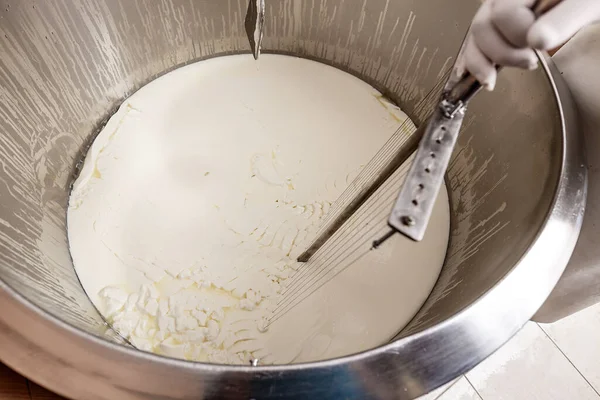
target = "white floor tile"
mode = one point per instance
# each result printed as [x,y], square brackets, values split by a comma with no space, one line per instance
[458,389]
[438,392]
[461,390]
[578,337]
[529,367]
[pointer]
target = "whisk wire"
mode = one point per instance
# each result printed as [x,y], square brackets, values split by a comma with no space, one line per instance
[423,107]
[361,218]
[347,244]
[355,237]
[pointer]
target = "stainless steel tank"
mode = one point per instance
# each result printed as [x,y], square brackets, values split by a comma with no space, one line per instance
[517,186]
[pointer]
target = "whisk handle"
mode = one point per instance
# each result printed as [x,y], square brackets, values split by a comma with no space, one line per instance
[460,92]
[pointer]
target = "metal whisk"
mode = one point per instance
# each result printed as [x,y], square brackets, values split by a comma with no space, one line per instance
[363,229]
[362,210]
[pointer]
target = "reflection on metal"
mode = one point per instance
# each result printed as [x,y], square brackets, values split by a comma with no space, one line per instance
[255,23]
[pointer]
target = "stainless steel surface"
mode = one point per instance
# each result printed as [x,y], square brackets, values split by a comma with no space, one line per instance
[255,23]
[579,286]
[412,210]
[516,183]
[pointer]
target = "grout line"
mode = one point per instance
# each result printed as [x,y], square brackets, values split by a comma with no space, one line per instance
[568,359]
[474,388]
[448,388]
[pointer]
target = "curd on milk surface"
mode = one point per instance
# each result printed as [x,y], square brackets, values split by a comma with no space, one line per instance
[200,192]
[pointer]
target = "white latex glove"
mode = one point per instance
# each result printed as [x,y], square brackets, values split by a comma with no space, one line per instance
[504,32]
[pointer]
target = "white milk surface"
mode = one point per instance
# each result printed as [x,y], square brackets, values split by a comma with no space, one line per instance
[200,192]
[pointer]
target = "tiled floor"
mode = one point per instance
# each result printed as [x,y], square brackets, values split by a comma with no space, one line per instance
[559,361]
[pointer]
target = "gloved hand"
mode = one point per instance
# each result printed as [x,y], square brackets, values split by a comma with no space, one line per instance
[504,32]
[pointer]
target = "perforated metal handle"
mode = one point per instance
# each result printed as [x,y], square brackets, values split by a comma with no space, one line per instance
[414,205]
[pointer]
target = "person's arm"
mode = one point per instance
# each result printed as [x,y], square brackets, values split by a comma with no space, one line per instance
[504,32]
